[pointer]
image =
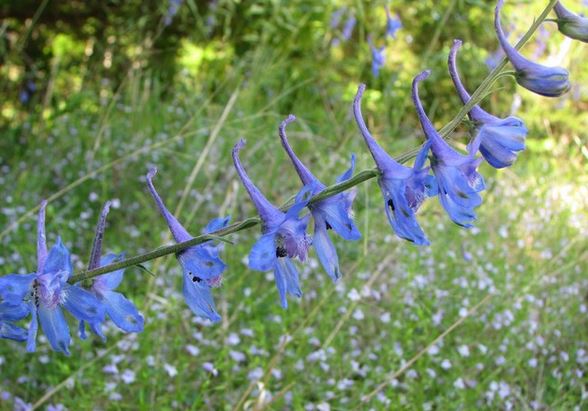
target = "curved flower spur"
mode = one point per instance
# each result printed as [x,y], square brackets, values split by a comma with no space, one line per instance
[46,292]
[332,213]
[570,24]
[283,234]
[457,177]
[404,188]
[201,264]
[501,139]
[546,81]
[121,311]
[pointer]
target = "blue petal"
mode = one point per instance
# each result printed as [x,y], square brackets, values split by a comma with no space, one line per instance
[14,287]
[336,213]
[55,327]
[9,312]
[217,224]
[58,262]
[123,312]
[198,296]
[262,256]
[301,200]
[82,330]
[32,332]
[286,277]
[400,215]
[201,262]
[12,332]
[82,304]
[110,280]
[347,174]
[325,249]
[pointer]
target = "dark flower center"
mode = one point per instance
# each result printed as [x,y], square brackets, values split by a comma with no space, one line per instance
[281,251]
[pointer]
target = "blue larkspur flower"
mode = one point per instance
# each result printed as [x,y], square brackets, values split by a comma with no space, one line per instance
[283,235]
[546,81]
[9,314]
[47,292]
[393,23]
[348,27]
[378,58]
[201,264]
[501,139]
[332,213]
[404,188]
[121,311]
[458,180]
[570,24]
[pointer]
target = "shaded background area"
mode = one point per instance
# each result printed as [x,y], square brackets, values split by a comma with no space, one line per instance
[93,93]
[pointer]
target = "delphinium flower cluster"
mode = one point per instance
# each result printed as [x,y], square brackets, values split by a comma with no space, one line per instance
[453,177]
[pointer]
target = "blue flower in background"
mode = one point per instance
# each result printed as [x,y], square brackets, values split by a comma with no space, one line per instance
[458,181]
[46,292]
[121,311]
[336,17]
[201,264]
[283,235]
[570,24]
[546,81]
[332,213]
[172,9]
[348,27]
[404,189]
[378,58]
[393,24]
[501,139]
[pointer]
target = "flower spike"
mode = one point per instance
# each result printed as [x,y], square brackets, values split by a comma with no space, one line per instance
[457,176]
[201,264]
[404,189]
[546,81]
[570,24]
[332,213]
[283,234]
[501,139]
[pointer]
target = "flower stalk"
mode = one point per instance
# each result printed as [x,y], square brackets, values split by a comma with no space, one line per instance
[476,97]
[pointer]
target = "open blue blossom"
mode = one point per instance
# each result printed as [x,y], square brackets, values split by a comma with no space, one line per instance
[121,311]
[459,182]
[201,264]
[393,24]
[404,188]
[332,213]
[283,235]
[546,81]
[501,139]
[570,24]
[46,292]
[378,58]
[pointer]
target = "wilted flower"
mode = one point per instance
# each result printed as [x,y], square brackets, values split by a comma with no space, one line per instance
[46,292]
[500,138]
[201,264]
[546,81]
[570,24]
[121,311]
[332,213]
[393,24]
[404,188]
[457,177]
[283,235]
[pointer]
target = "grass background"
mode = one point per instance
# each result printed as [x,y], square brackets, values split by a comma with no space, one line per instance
[489,318]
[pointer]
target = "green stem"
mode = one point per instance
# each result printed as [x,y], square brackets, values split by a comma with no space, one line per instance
[359,178]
